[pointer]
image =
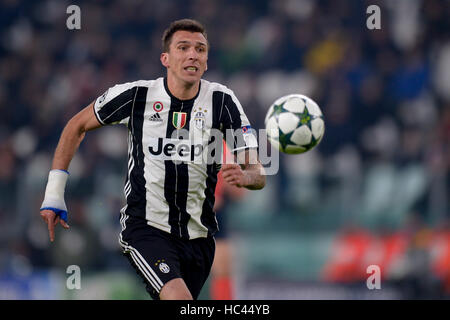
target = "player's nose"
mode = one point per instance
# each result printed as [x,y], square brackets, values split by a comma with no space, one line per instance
[192,54]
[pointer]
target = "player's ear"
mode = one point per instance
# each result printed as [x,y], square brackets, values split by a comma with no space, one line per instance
[164,59]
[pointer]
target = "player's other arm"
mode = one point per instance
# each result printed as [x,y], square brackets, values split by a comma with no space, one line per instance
[53,210]
[72,135]
[247,172]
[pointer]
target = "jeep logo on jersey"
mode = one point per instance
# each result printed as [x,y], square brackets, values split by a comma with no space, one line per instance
[174,149]
[179,119]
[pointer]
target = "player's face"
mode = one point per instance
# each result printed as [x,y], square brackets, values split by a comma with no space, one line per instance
[187,56]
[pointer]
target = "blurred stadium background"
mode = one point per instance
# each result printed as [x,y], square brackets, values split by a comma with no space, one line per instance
[374,192]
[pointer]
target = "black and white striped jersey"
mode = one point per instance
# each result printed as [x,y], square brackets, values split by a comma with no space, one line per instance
[172,155]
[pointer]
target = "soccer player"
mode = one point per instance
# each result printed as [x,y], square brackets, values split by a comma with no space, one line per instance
[168,222]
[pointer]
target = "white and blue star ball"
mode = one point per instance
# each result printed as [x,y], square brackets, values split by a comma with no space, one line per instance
[294,124]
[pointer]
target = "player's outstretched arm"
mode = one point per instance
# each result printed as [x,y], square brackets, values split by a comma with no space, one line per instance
[249,173]
[72,136]
[53,209]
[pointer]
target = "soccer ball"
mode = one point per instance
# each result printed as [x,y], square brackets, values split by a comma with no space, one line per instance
[294,124]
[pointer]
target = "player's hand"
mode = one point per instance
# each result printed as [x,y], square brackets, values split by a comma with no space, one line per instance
[234,175]
[51,219]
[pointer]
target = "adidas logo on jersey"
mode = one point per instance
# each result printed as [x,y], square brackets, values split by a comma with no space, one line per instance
[155,118]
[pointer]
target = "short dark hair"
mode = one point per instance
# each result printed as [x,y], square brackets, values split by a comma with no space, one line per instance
[184,25]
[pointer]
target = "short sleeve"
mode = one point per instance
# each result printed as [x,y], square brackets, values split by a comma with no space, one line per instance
[115,104]
[236,127]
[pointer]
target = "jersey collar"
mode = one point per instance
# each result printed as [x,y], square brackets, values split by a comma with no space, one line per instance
[175,99]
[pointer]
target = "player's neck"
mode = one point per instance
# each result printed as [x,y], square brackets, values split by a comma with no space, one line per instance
[181,89]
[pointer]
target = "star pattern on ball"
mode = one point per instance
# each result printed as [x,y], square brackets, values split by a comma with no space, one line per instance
[313,142]
[305,117]
[277,109]
[285,138]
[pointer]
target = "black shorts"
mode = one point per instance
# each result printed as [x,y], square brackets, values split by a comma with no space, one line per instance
[158,256]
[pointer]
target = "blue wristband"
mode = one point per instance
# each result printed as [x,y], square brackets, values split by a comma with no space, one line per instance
[59,213]
[63,171]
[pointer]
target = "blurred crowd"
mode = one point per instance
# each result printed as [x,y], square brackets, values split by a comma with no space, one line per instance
[382,167]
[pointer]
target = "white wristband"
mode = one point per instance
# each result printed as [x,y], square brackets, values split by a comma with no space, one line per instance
[54,192]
